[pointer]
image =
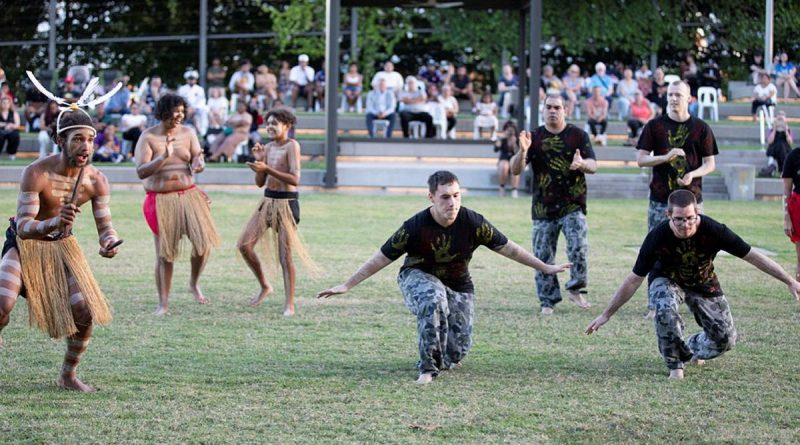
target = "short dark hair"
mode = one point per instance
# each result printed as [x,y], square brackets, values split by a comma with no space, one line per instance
[282,115]
[167,104]
[681,198]
[441,177]
[69,119]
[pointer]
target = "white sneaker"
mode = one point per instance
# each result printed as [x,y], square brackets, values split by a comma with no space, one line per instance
[514,193]
[424,378]
[547,311]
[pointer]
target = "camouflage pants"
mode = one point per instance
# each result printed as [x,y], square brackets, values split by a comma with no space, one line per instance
[545,241]
[444,319]
[712,314]
[656,214]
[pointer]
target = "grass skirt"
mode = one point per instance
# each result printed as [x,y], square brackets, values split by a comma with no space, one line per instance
[185,213]
[46,266]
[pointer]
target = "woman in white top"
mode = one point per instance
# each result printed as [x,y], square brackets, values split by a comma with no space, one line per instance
[353,86]
[764,94]
[487,116]
[450,105]
[217,107]
[626,88]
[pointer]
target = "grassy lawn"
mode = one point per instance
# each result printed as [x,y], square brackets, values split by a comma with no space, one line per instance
[342,370]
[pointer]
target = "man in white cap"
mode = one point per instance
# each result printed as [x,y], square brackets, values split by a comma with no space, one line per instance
[302,78]
[195,97]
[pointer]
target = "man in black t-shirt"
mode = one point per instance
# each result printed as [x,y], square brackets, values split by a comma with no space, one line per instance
[681,150]
[560,155]
[680,255]
[435,280]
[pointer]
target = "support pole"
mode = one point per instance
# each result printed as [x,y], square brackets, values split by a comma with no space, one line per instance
[519,112]
[768,31]
[203,42]
[535,50]
[353,35]
[332,20]
[51,38]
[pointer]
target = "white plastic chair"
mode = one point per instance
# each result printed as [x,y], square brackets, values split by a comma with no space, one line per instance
[416,129]
[439,119]
[707,98]
[380,125]
[765,119]
[669,78]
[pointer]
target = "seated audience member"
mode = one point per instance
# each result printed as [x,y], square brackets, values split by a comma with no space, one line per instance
[548,77]
[45,132]
[195,97]
[243,73]
[302,78]
[69,90]
[508,82]
[381,104]
[151,97]
[132,125]
[764,94]
[430,74]
[284,83]
[756,67]
[413,108]
[9,127]
[507,145]
[107,146]
[597,112]
[785,75]
[780,140]
[690,73]
[118,103]
[572,85]
[35,107]
[394,80]
[626,89]
[266,86]
[461,85]
[644,77]
[711,75]
[640,113]
[218,106]
[237,130]
[319,86]
[258,121]
[100,118]
[658,92]
[216,74]
[353,84]
[487,117]
[450,105]
[603,81]
[446,73]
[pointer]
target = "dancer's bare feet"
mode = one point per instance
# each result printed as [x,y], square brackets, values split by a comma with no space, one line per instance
[255,301]
[288,311]
[424,378]
[676,374]
[577,299]
[198,294]
[651,314]
[72,383]
[160,311]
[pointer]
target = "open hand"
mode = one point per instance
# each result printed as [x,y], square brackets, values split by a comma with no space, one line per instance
[596,324]
[259,152]
[577,161]
[524,140]
[556,268]
[340,289]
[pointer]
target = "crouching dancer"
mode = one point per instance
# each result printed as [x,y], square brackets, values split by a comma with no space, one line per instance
[680,254]
[41,260]
[435,280]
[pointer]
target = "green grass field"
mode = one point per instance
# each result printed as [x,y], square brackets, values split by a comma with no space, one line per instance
[342,370]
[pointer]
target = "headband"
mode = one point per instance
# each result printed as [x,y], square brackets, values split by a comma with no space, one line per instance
[83,101]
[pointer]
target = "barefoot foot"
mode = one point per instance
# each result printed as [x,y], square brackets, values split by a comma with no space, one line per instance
[72,383]
[424,378]
[161,311]
[676,374]
[577,299]
[288,311]
[255,301]
[198,295]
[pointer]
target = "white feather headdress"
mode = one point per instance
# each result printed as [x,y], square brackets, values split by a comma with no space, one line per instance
[84,101]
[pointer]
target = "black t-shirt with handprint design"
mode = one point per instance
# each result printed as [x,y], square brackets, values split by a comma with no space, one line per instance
[444,252]
[661,135]
[557,190]
[689,262]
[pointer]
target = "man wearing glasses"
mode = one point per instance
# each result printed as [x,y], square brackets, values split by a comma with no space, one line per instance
[680,254]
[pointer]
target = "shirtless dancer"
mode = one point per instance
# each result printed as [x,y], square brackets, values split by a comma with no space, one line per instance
[277,165]
[167,156]
[63,300]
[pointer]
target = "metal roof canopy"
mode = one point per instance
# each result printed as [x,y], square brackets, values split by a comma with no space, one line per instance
[332,35]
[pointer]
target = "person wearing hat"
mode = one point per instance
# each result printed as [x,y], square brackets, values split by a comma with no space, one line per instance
[195,97]
[430,74]
[69,91]
[242,73]
[302,78]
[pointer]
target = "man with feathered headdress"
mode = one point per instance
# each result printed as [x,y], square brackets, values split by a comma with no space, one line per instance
[41,260]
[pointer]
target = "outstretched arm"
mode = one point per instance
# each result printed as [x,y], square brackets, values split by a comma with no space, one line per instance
[773,269]
[373,265]
[515,252]
[645,159]
[623,294]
